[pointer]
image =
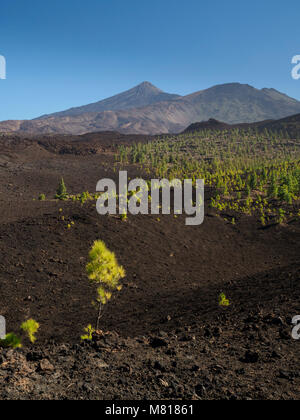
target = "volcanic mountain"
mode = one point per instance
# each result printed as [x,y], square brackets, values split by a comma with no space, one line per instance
[147,110]
[140,96]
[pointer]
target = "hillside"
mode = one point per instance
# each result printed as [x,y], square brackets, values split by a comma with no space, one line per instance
[290,125]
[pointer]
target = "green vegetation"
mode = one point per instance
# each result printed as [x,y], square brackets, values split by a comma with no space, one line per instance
[61,193]
[42,197]
[104,271]
[82,198]
[223,301]
[246,172]
[31,327]
[124,217]
[11,340]
[89,330]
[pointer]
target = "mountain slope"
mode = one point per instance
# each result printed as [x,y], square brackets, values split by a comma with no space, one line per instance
[140,96]
[234,103]
[231,103]
[290,125]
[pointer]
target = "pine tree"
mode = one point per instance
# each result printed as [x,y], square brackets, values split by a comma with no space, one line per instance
[273,188]
[253,181]
[61,193]
[103,269]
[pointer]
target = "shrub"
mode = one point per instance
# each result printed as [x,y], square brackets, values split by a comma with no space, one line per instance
[42,197]
[103,270]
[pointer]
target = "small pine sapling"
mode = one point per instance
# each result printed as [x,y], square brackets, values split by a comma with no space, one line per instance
[89,330]
[223,301]
[124,217]
[12,341]
[104,270]
[31,327]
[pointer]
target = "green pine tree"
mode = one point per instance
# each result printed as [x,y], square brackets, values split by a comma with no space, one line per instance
[104,271]
[61,193]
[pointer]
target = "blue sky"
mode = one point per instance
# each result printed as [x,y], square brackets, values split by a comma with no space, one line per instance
[69,52]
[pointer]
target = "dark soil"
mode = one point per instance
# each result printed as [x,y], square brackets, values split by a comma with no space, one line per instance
[165,336]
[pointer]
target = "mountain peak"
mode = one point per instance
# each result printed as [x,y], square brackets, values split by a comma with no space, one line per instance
[140,96]
[147,87]
[147,84]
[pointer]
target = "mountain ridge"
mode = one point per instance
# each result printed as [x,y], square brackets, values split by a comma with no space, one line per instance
[232,103]
[290,125]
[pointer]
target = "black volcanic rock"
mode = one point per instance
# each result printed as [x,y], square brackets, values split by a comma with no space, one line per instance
[211,124]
